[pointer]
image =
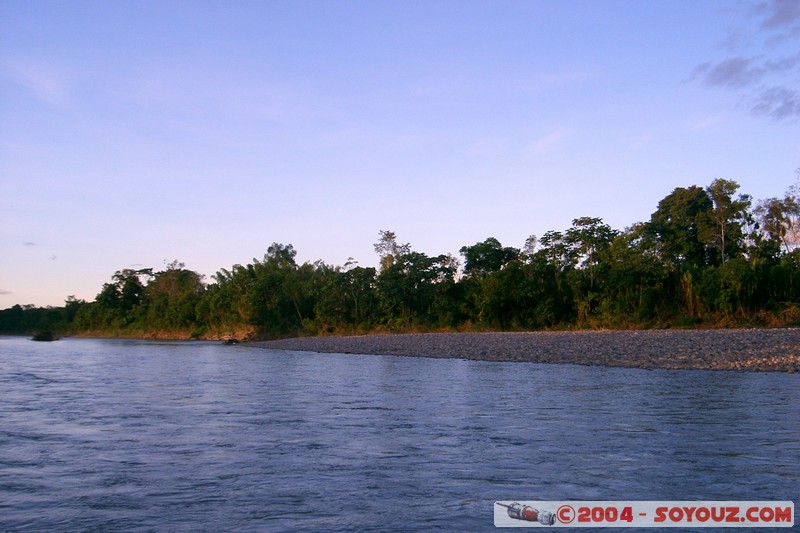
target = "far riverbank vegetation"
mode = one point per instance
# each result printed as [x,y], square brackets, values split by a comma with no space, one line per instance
[708,257]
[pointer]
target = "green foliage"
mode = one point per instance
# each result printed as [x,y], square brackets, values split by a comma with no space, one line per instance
[486,257]
[408,287]
[172,297]
[388,249]
[681,227]
[703,258]
[28,319]
[728,217]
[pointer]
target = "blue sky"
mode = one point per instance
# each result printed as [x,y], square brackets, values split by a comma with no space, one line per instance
[136,133]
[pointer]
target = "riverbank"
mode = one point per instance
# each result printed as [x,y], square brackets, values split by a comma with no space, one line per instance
[756,350]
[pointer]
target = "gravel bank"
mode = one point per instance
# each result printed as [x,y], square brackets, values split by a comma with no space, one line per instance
[758,350]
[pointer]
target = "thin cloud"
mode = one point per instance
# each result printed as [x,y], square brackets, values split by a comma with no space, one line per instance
[704,123]
[46,82]
[778,102]
[548,143]
[780,13]
[738,72]
[734,72]
[29,243]
[180,91]
[4,292]
[553,80]
[766,82]
[488,147]
[787,63]
[641,141]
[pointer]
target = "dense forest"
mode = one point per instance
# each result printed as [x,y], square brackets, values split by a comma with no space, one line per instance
[708,257]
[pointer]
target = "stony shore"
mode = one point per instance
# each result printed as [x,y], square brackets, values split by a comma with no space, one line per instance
[756,350]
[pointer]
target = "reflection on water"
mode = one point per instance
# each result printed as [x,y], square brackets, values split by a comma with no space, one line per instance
[99,434]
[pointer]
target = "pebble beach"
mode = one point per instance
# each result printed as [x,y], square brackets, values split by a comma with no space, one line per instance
[756,350]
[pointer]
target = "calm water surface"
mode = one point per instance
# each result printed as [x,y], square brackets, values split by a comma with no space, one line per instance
[134,435]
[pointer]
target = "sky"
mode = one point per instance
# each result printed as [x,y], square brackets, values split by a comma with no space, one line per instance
[137,133]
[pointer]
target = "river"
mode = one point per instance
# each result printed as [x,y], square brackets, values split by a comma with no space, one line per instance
[186,436]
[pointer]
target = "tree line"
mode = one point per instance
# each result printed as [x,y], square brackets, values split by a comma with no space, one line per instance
[706,257]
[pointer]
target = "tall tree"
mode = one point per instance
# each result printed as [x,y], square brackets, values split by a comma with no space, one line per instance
[281,255]
[278,290]
[409,286]
[728,215]
[486,257]
[173,295]
[780,218]
[388,249]
[589,237]
[681,224]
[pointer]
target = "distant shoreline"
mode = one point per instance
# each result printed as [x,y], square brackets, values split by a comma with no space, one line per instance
[754,350]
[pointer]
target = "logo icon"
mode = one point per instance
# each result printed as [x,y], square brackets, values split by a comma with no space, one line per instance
[529,514]
[565,514]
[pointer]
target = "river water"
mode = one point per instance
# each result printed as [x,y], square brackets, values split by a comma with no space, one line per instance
[186,436]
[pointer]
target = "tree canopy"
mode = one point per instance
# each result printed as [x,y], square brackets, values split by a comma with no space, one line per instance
[706,256]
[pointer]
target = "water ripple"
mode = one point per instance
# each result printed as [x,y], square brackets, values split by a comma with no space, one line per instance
[136,435]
